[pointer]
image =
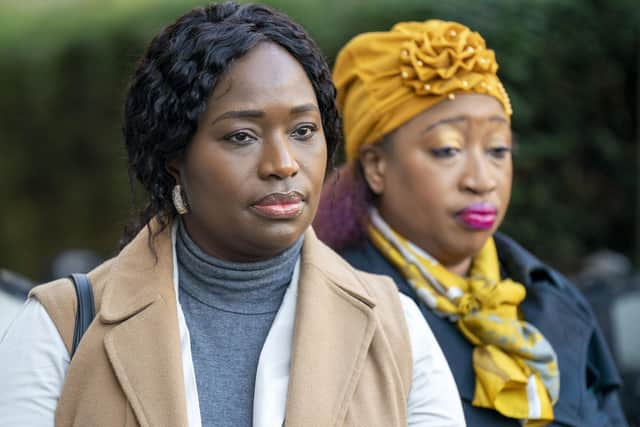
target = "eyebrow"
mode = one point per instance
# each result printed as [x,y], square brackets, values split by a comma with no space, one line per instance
[444,121]
[498,119]
[254,114]
[461,119]
[244,114]
[304,108]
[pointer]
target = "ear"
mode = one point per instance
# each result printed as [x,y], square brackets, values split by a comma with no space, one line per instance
[174,167]
[374,165]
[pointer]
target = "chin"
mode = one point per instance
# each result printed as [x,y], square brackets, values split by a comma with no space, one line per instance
[475,241]
[278,237]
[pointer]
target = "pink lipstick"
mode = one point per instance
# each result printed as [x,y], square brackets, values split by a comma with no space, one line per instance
[280,205]
[478,216]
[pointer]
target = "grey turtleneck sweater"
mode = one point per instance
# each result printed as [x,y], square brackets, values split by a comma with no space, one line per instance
[229,308]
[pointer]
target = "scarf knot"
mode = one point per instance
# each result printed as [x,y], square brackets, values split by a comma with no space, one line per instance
[467,304]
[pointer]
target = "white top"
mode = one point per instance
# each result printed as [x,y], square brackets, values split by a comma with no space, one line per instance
[34,362]
[9,308]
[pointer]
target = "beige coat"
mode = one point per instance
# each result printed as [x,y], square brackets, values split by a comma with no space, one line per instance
[350,364]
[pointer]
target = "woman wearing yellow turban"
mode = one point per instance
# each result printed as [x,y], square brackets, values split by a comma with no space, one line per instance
[427,183]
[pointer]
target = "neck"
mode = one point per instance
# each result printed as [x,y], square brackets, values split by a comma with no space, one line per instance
[460,268]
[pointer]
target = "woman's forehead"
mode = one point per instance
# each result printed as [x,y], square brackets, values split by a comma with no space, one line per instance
[266,74]
[463,106]
[467,104]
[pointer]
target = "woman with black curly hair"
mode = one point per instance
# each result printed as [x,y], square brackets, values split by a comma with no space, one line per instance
[223,308]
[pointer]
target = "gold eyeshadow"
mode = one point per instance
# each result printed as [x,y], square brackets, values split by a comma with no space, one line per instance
[447,138]
[499,141]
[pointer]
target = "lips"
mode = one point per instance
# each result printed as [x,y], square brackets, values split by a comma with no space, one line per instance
[280,205]
[478,216]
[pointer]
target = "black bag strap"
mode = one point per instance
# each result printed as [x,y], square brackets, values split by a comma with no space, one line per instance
[85,311]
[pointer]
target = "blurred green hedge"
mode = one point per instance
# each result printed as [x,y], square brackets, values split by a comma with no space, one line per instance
[571,68]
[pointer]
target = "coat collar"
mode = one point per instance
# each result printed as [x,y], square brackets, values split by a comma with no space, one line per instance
[143,346]
[333,330]
[521,265]
[137,277]
[334,270]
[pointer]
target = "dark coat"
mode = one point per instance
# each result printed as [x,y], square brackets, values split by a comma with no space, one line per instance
[589,380]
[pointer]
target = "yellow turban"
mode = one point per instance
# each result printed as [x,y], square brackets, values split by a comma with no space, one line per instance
[386,78]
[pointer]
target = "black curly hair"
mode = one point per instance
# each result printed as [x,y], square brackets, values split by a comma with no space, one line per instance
[178,72]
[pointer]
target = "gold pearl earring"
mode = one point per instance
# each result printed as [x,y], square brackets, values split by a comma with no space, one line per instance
[178,202]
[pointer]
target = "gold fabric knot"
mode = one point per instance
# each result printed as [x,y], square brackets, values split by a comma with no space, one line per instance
[438,53]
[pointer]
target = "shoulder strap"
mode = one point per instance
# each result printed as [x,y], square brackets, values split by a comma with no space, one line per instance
[85,311]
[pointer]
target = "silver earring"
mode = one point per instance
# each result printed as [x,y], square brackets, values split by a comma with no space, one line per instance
[178,202]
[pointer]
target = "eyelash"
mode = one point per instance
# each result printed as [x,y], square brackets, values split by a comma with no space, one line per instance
[500,152]
[445,152]
[249,138]
[312,130]
[231,138]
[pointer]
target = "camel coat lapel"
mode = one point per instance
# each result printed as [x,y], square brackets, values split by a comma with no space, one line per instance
[333,331]
[143,346]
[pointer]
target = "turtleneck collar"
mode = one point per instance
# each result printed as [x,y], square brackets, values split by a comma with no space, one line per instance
[245,288]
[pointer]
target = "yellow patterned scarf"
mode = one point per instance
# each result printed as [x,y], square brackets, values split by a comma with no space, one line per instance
[516,368]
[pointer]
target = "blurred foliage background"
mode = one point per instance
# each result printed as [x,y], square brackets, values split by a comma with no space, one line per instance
[570,66]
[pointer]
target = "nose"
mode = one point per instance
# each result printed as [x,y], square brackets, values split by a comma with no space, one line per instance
[478,177]
[278,160]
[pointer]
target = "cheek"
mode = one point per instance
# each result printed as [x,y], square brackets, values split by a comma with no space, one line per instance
[504,192]
[213,172]
[506,183]
[428,181]
[409,191]
[313,161]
